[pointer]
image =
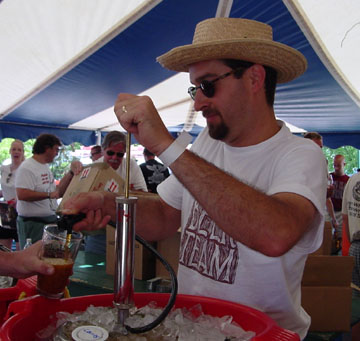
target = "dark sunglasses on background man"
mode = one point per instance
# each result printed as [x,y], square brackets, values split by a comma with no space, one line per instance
[208,87]
[111,153]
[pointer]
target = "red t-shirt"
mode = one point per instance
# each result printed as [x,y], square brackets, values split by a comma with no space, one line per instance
[339,185]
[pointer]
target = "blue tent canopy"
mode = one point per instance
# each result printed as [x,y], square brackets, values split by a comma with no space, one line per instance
[314,102]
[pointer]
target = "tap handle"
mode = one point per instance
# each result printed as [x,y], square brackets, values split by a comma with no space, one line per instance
[67,221]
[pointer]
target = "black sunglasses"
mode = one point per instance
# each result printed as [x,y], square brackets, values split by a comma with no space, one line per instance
[208,87]
[111,153]
[8,178]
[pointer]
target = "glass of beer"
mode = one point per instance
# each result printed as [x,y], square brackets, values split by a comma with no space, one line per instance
[60,252]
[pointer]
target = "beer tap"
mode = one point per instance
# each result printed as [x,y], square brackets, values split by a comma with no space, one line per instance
[124,249]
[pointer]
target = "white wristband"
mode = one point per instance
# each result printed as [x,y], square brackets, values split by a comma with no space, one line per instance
[170,154]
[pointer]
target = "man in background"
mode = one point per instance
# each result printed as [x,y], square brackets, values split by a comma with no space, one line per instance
[314,136]
[113,150]
[339,181]
[154,171]
[36,190]
[351,219]
[96,153]
[330,216]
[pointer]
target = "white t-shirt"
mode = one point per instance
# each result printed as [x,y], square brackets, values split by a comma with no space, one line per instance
[137,181]
[37,177]
[8,183]
[213,264]
[351,204]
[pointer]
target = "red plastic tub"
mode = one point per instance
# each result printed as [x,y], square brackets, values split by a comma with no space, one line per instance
[32,315]
[8,295]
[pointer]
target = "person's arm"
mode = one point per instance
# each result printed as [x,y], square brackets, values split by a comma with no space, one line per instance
[155,220]
[75,168]
[26,194]
[25,263]
[346,225]
[344,207]
[269,224]
[330,209]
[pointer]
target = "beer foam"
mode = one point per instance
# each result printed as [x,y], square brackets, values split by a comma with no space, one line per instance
[58,261]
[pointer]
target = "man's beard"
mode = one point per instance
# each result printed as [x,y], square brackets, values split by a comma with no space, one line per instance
[220,131]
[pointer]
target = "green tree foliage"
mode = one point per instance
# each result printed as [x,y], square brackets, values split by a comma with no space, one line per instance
[62,162]
[351,158]
[4,149]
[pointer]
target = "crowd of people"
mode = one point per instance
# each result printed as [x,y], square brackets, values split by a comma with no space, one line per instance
[30,195]
[250,197]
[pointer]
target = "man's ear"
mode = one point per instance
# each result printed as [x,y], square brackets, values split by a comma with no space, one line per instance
[257,76]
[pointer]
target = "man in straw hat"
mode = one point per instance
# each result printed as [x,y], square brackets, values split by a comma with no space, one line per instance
[249,196]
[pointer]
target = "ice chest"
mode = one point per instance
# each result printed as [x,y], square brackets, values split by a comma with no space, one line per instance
[27,317]
[26,287]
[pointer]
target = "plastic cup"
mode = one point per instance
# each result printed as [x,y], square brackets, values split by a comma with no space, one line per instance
[61,255]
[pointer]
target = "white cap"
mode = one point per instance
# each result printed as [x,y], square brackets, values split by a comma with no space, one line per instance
[85,333]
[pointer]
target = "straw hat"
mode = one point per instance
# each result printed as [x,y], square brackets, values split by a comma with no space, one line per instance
[233,38]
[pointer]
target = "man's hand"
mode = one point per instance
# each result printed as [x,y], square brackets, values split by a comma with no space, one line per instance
[138,115]
[94,205]
[25,263]
[76,166]
[55,194]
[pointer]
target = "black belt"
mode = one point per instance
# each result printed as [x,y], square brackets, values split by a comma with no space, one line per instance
[38,219]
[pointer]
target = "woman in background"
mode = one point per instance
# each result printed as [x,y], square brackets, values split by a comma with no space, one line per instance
[8,214]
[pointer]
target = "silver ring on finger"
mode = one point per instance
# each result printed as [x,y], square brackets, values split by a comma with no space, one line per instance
[123,108]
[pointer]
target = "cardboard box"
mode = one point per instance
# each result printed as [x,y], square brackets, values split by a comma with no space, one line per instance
[328,271]
[325,248]
[169,250]
[329,307]
[144,258]
[95,177]
[326,292]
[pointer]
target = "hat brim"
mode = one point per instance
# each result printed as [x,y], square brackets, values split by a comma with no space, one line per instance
[288,62]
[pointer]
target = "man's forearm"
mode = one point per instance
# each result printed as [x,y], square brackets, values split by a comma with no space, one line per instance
[30,195]
[64,183]
[154,219]
[269,224]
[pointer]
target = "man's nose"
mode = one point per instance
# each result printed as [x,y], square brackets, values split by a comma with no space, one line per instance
[200,101]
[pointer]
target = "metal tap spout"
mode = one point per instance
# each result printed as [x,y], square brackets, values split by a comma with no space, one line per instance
[124,258]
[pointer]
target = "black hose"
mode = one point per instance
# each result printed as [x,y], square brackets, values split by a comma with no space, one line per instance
[174,289]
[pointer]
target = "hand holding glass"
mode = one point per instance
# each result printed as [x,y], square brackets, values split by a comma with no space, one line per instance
[61,254]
